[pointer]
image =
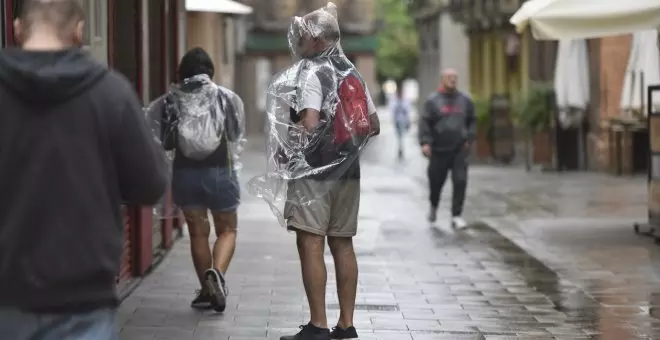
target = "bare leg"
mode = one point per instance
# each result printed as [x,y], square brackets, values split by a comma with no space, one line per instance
[314,274]
[347,276]
[225,244]
[199,230]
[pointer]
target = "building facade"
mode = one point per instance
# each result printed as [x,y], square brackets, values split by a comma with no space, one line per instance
[613,53]
[266,51]
[143,42]
[443,44]
[501,61]
[215,27]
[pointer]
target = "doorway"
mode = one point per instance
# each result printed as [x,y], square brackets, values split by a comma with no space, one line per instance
[125,40]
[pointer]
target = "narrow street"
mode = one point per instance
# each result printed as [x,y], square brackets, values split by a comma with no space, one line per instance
[547,256]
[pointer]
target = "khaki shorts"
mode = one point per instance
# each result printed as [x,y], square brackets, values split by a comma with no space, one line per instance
[333,211]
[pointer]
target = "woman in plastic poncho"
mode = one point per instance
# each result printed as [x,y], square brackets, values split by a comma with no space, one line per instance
[209,184]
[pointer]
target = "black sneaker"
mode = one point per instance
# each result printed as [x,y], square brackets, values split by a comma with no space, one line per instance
[309,332]
[202,300]
[433,215]
[216,286]
[339,333]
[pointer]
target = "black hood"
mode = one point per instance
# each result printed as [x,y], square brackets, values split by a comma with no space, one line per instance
[48,77]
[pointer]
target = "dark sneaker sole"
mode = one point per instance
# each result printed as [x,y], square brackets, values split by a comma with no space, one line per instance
[201,305]
[345,338]
[214,286]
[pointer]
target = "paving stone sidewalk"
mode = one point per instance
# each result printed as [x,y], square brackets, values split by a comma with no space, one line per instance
[423,282]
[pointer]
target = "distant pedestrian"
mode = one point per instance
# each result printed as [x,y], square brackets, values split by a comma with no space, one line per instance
[401,110]
[334,106]
[75,146]
[447,128]
[201,119]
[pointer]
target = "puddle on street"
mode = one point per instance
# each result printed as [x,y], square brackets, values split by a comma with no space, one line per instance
[522,296]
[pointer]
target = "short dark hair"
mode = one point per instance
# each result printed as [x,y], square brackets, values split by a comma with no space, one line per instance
[195,62]
[62,15]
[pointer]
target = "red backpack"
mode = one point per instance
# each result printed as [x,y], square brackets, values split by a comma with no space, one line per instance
[352,111]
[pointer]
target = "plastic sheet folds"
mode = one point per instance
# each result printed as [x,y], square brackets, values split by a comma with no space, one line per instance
[201,127]
[318,116]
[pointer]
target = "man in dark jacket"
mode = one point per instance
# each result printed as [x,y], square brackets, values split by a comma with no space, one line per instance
[446,131]
[74,146]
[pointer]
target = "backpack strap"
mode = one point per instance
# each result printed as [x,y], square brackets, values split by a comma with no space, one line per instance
[232,124]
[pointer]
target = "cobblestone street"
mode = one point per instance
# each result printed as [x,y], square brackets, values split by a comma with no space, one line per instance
[548,256]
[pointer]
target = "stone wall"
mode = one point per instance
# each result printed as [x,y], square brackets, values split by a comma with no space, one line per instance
[614,53]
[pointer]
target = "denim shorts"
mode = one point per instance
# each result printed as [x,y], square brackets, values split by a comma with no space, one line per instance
[216,189]
[95,325]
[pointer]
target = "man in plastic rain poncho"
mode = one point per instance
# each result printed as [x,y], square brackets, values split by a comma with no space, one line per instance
[320,74]
[447,128]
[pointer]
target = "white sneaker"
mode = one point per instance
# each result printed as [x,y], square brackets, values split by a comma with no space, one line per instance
[458,222]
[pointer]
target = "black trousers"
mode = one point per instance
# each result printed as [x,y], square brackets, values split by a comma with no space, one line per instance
[440,165]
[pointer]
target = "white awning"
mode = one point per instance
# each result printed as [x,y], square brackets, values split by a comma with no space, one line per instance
[573,19]
[572,74]
[643,69]
[572,81]
[218,6]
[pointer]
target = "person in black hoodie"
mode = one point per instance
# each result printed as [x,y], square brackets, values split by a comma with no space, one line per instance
[74,146]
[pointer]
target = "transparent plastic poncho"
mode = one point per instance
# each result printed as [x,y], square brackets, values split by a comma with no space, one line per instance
[319,117]
[201,127]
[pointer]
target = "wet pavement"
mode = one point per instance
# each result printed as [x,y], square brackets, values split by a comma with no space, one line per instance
[548,256]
